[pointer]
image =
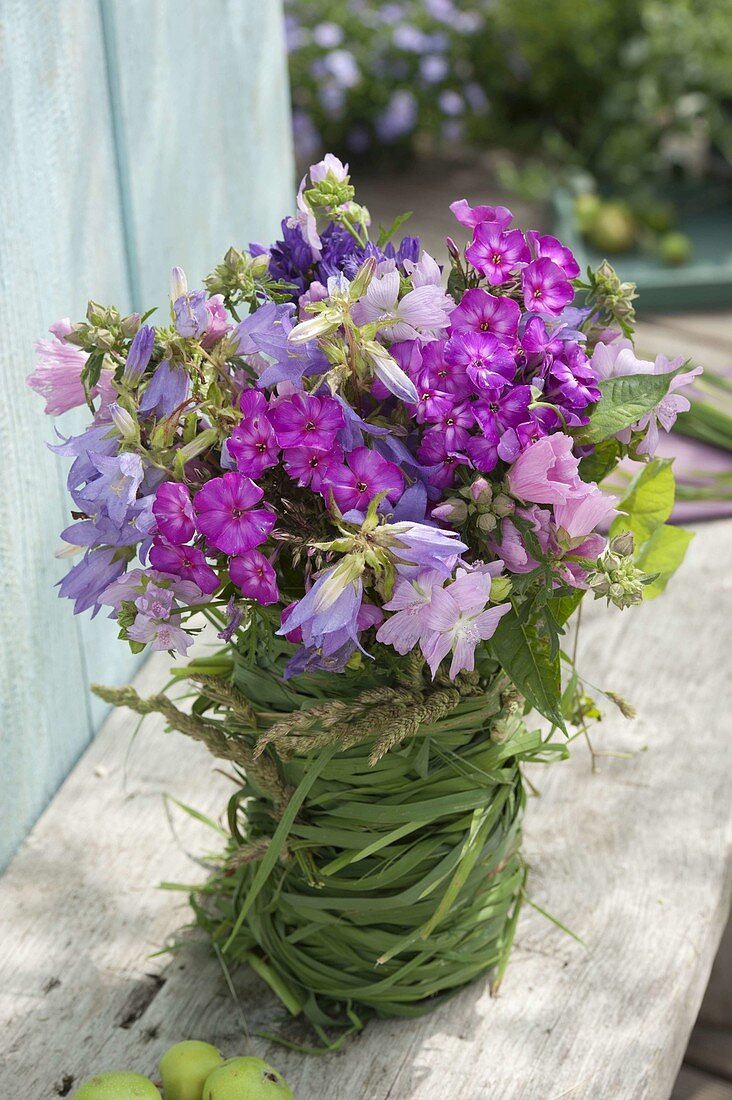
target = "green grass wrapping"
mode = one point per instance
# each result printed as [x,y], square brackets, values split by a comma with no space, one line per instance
[378,888]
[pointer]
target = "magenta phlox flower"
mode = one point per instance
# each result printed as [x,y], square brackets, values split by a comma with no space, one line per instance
[545,287]
[546,472]
[442,462]
[306,421]
[410,601]
[227,517]
[497,254]
[57,376]
[365,475]
[483,449]
[253,446]
[544,246]
[443,375]
[186,562]
[308,465]
[454,422]
[173,511]
[487,363]
[457,620]
[505,410]
[254,574]
[480,311]
[471,216]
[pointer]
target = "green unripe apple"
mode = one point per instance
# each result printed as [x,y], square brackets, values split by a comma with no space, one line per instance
[117,1086]
[586,207]
[185,1067]
[246,1079]
[674,249]
[613,228]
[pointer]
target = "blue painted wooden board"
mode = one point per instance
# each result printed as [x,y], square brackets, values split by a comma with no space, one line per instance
[133,136]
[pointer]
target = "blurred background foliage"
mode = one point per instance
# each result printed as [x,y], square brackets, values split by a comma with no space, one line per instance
[619,91]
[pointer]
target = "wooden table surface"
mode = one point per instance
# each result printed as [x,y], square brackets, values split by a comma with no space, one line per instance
[636,859]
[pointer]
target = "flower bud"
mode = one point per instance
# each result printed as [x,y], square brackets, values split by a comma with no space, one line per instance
[503,505]
[487,523]
[139,355]
[623,544]
[197,446]
[481,491]
[129,325]
[178,283]
[453,510]
[124,423]
[259,265]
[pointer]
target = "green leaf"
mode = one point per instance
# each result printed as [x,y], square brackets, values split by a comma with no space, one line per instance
[662,554]
[648,501]
[386,234]
[624,401]
[524,652]
[563,607]
[604,458]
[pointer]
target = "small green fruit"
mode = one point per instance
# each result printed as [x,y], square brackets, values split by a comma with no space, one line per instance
[246,1079]
[185,1067]
[674,249]
[586,207]
[117,1086]
[613,228]
[657,215]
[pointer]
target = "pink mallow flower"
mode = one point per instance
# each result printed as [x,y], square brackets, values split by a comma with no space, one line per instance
[410,602]
[173,512]
[547,472]
[186,562]
[226,515]
[57,377]
[580,515]
[160,635]
[254,575]
[420,314]
[617,360]
[219,322]
[458,619]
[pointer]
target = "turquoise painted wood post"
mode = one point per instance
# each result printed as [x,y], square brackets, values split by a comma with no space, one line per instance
[133,136]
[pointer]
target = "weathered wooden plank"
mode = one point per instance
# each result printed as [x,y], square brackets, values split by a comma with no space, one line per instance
[60,236]
[636,860]
[201,102]
[654,336]
[717,1008]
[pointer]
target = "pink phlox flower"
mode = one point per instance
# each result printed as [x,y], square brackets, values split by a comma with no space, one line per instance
[457,619]
[546,288]
[410,601]
[489,365]
[303,420]
[471,216]
[227,516]
[497,254]
[547,247]
[365,476]
[480,311]
[173,511]
[254,574]
[308,465]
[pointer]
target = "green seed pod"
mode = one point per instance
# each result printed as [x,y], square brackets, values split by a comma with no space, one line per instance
[246,1079]
[185,1067]
[117,1086]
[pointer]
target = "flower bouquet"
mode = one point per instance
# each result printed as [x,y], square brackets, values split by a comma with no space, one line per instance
[384,496]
